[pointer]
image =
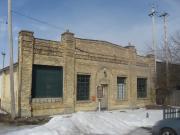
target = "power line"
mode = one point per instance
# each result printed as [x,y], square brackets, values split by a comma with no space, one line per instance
[37,20]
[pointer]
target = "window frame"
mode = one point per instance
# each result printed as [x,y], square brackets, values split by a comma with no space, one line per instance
[60,71]
[124,91]
[140,93]
[89,82]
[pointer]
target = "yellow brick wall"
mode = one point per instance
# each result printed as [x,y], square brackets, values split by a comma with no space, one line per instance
[5,89]
[83,56]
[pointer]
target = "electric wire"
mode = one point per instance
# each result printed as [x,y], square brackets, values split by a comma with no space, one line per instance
[37,20]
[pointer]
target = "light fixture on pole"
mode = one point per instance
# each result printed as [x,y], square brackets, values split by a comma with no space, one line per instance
[3,54]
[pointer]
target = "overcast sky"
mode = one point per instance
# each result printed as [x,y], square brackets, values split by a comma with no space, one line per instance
[116,21]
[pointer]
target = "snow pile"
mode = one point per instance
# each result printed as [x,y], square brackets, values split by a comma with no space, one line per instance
[2,112]
[109,123]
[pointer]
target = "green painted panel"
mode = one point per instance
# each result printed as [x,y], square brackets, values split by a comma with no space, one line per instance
[47,81]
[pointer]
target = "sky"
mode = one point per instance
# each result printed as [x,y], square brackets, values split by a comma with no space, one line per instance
[116,21]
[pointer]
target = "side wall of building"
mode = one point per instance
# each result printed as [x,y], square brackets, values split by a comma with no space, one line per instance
[165,93]
[1,84]
[5,89]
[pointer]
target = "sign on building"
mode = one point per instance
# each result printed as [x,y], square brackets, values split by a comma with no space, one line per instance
[100,92]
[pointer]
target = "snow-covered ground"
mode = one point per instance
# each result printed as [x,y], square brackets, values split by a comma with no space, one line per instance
[96,123]
[5,128]
[2,112]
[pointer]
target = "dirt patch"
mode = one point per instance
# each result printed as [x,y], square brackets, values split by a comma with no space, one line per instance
[156,107]
[6,118]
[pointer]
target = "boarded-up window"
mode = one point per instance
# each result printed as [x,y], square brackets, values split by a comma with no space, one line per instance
[47,81]
[83,87]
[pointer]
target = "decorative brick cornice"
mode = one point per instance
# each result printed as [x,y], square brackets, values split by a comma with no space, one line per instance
[101,59]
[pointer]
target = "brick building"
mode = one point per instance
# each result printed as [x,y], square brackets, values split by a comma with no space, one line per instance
[53,77]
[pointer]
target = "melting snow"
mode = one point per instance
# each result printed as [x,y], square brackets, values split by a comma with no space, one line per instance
[2,112]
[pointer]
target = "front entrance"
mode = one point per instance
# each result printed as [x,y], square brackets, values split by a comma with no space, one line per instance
[104,100]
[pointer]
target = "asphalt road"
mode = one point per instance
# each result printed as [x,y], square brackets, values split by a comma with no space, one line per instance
[141,131]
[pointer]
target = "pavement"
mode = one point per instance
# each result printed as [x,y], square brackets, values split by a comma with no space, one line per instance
[141,131]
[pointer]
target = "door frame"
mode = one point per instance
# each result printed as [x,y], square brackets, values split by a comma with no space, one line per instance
[105,97]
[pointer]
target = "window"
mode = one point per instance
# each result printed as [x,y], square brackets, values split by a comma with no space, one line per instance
[121,88]
[177,87]
[47,81]
[83,82]
[141,87]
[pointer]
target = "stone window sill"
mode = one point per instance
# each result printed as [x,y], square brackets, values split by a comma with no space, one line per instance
[121,100]
[46,100]
[146,98]
[83,101]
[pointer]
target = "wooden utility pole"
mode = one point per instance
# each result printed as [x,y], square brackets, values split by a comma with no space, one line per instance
[10,42]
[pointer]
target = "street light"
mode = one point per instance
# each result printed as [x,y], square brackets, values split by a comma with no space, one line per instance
[3,54]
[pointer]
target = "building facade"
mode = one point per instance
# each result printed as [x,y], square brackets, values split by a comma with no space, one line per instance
[54,77]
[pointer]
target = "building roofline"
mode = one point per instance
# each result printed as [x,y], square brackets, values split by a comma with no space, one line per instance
[178,64]
[47,40]
[7,68]
[103,41]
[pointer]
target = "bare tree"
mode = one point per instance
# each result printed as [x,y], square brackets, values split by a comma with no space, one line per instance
[175,47]
[163,90]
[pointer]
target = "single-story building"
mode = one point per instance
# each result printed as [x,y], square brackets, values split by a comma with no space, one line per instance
[65,76]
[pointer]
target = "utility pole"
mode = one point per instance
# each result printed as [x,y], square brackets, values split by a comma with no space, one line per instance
[10,42]
[153,15]
[3,54]
[164,16]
